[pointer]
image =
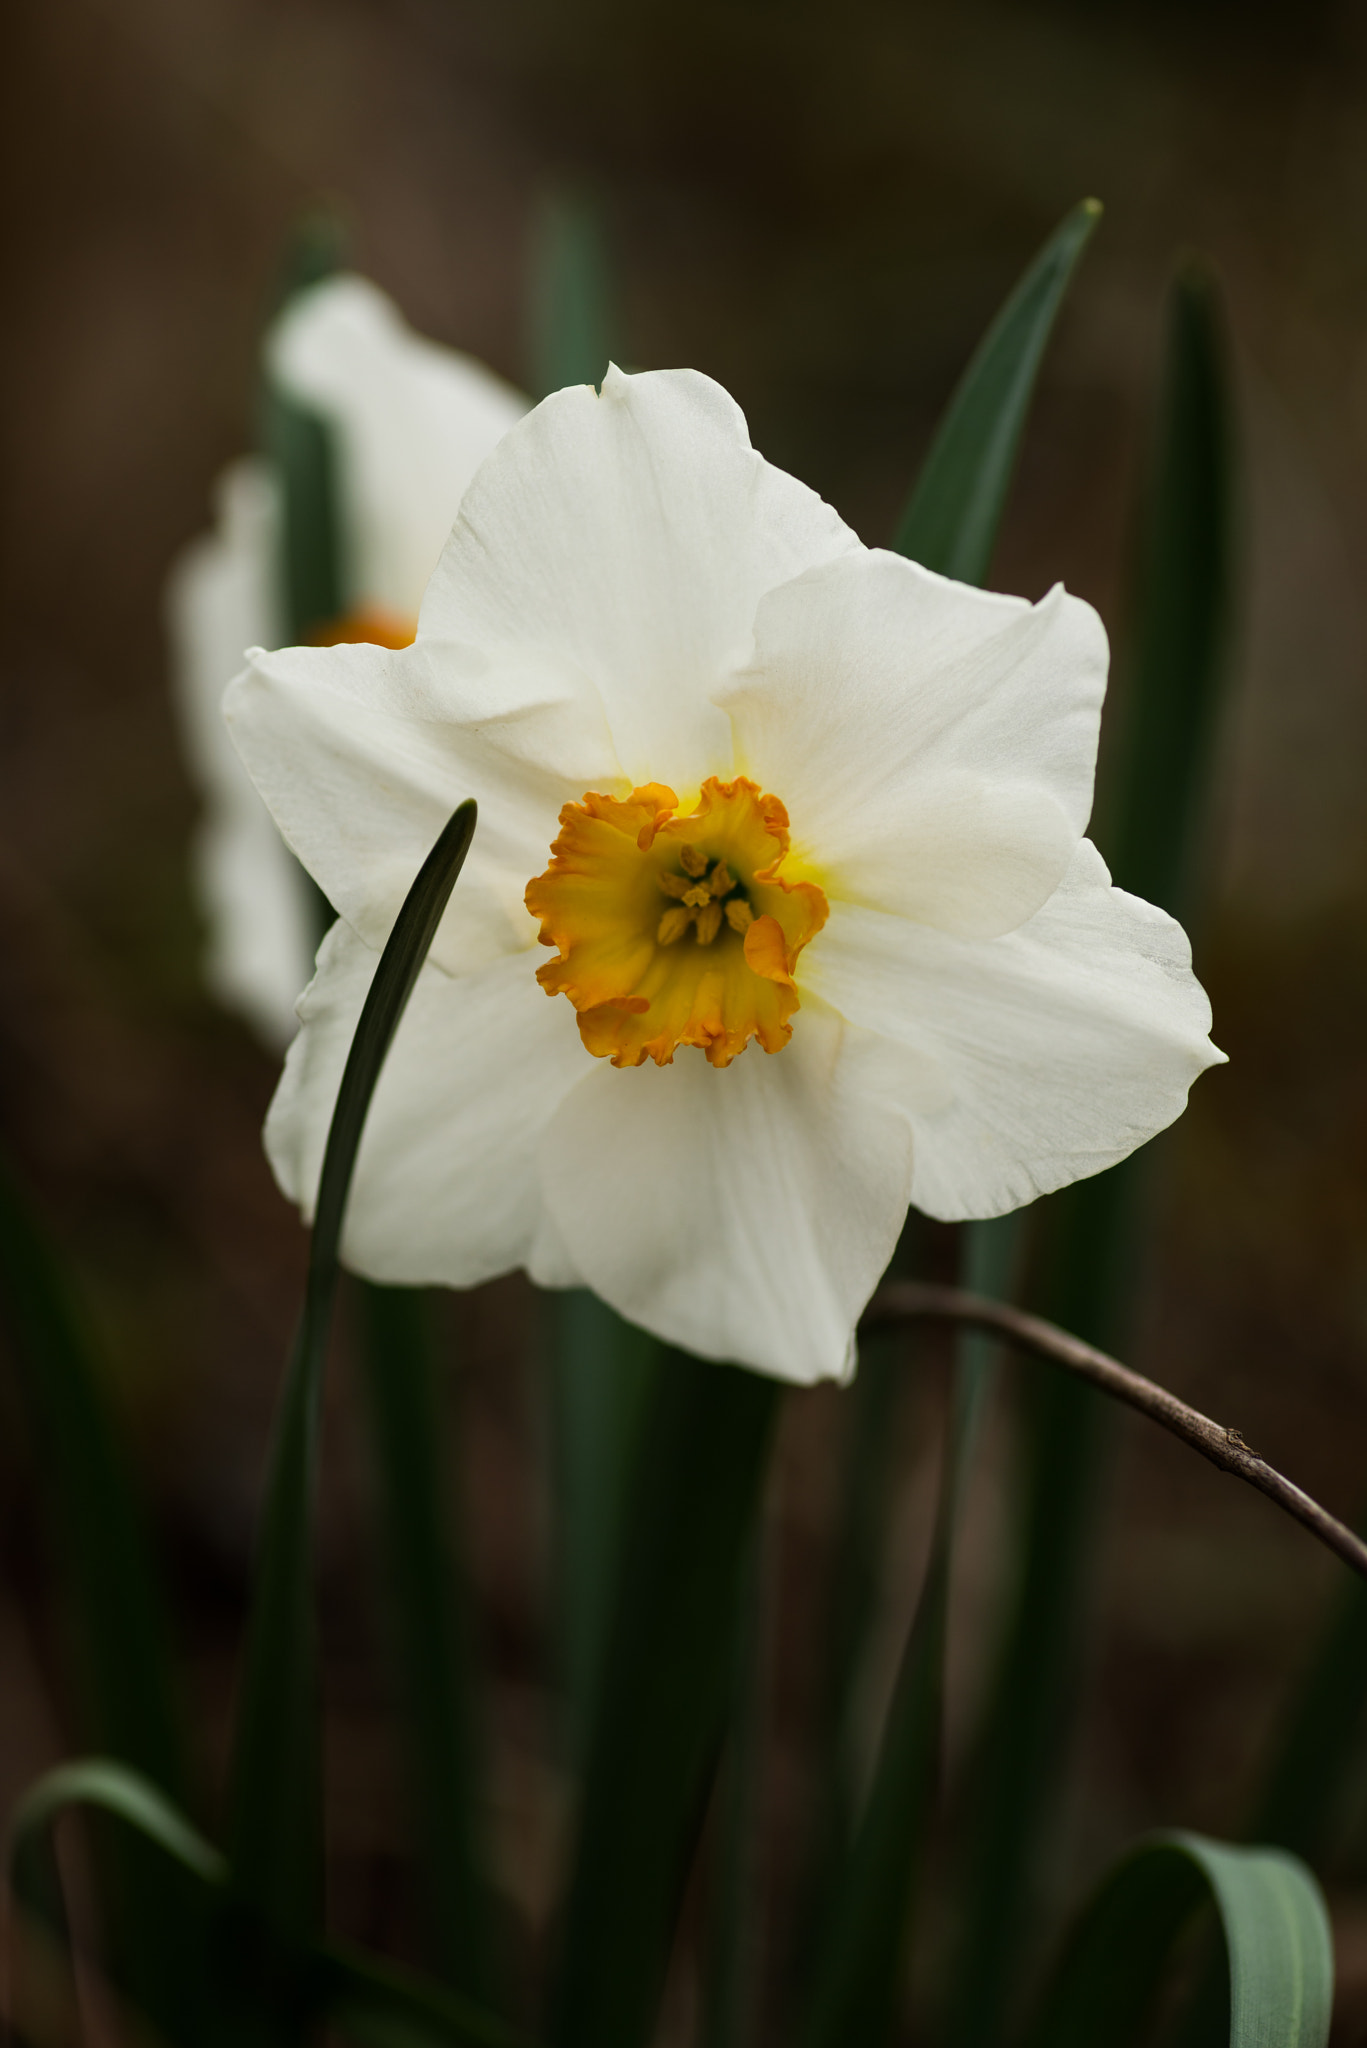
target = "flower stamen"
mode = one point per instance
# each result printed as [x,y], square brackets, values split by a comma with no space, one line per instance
[640,992]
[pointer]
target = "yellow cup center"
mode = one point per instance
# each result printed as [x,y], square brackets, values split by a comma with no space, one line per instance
[675,930]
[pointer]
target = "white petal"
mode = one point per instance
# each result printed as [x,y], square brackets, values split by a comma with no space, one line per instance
[745,1214]
[414,422]
[1030,1060]
[935,745]
[446,1187]
[363,753]
[260,910]
[633,535]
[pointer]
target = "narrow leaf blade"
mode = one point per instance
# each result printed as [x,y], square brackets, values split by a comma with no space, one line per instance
[855,1956]
[1150,822]
[571,315]
[113,1788]
[276,1821]
[1300,1801]
[951,520]
[430,1623]
[112,1591]
[1279,1961]
[379,2005]
[662,1700]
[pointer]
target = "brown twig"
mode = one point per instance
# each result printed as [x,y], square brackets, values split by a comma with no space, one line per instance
[900,1300]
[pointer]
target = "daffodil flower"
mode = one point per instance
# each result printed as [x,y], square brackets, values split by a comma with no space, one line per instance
[411,423]
[779,914]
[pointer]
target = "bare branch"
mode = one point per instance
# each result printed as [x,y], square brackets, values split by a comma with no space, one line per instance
[903,1300]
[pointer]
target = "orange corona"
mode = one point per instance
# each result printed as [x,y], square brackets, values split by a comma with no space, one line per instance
[675,930]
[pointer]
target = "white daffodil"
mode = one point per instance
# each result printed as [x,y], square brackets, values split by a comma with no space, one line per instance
[779,913]
[411,424]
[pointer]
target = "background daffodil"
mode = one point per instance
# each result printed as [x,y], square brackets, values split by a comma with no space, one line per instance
[410,422]
[793,832]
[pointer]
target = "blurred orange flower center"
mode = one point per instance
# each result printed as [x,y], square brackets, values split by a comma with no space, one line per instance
[368,623]
[675,930]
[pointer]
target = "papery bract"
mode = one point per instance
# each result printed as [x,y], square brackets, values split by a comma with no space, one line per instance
[635,622]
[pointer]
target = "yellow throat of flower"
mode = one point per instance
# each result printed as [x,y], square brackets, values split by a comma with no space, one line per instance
[675,930]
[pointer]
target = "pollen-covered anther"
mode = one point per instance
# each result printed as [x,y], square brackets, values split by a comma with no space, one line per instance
[675,931]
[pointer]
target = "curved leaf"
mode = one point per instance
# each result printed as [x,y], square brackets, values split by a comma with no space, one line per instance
[429,1626]
[113,1788]
[369,2001]
[951,519]
[276,1822]
[662,1698]
[862,1898]
[112,1593]
[569,293]
[1278,1947]
[1150,819]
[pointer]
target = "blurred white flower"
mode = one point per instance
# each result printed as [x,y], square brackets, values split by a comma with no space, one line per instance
[411,423]
[749,779]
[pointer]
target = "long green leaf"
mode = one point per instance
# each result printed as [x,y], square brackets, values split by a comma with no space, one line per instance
[313,574]
[600,1364]
[857,1968]
[951,519]
[380,2006]
[735,1906]
[1300,1803]
[1150,825]
[113,1586]
[569,293]
[367,2000]
[113,1596]
[863,1897]
[148,1830]
[276,1822]
[1279,1970]
[662,1700]
[414,1484]
[603,1368]
[113,1788]
[431,1625]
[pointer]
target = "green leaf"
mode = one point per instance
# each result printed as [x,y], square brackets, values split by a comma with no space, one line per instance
[113,1588]
[857,1968]
[1300,1803]
[112,1591]
[730,1992]
[662,1701]
[367,2000]
[951,520]
[600,1363]
[113,1788]
[276,1822]
[430,1624]
[1172,680]
[569,293]
[1150,823]
[1279,1950]
[168,1990]
[314,571]
[602,1374]
[862,1895]
[381,2006]
[857,1552]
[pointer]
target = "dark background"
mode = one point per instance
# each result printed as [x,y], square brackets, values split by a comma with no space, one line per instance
[821,207]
